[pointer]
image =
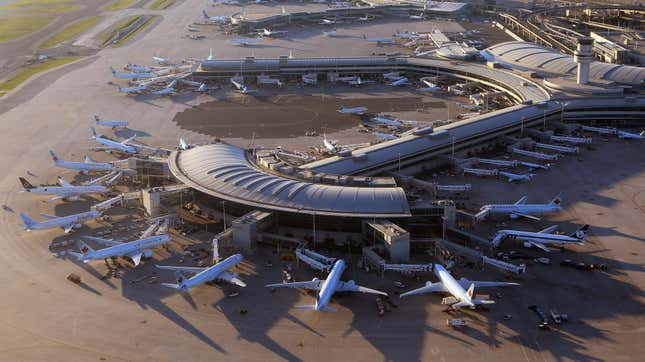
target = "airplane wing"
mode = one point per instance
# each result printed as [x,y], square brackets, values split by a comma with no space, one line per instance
[129,140]
[465,283]
[231,278]
[186,269]
[56,198]
[107,242]
[539,245]
[522,200]
[526,216]
[63,182]
[351,286]
[313,284]
[549,230]
[428,288]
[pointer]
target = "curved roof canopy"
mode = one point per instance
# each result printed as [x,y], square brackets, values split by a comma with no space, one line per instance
[526,55]
[223,171]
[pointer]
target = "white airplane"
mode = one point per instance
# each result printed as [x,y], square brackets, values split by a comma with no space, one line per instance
[242,88]
[354,110]
[326,288]
[392,76]
[138,68]
[65,191]
[358,82]
[245,41]
[183,144]
[202,88]
[169,90]
[273,33]
[399,82]
[160,60]
[329,145]
[67,223]
[210,55]
[386,121]
[460,296]
[364,18]
[110,123]
[630,135]
[203,275]
[327,22]
[520,208]
[216,19]
[87,166]
[534,166]
[379,41]
[516,177]
[124,146]
[134,250]
[430,87]
[542,238]
[417,17]
[132,75]
[133,90]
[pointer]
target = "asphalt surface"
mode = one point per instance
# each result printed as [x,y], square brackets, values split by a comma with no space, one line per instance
[43,316]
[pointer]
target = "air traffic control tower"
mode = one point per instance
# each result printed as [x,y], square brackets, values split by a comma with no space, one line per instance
[583,56]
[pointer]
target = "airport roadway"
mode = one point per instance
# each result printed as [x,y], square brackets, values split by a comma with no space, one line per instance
[45,317]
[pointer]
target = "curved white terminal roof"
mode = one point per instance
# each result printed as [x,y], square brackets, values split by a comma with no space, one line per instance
[224,171]
[530,56]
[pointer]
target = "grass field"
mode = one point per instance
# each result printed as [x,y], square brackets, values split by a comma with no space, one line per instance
[119,5]
[12,27]
[32,70]
[161,4]
[33,3]
[70,32]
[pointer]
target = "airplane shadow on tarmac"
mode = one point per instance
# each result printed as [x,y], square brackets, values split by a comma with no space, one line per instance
[261,317]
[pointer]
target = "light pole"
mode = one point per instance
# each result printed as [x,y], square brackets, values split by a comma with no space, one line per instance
[224,214]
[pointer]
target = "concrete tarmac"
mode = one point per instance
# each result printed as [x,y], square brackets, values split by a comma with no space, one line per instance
[45,317]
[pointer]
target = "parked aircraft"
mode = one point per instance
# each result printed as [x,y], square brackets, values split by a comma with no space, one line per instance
[168,90]
[460,296]
[65,191]
[417,17]
[358,82]
[520,208]
[242,88]
[133,90]
[215,19]
[203,275]
[534,166]
[124,146]
[392,76]
[138,68]
[183,144]
[543,238]
[329,145]
[273,33]
[430,87]
[245,41]
[132,75]
[406,35]
[516,177]
[110,123]
[67,223]
[210,55]
[327,22]
[87,166]
[386,121]
[160,60]
[402,81]
[353,110]
[630,135]
[134,250]
[326,288]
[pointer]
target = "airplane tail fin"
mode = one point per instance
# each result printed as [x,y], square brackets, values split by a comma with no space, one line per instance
[94,134]
[27,220]
[642,133]
[96,118]
[25,184]
[205,14]
[84,248]
[53,154]
[364,37]
[581,233]
[557,200]
[471,291]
